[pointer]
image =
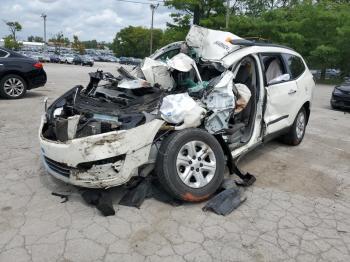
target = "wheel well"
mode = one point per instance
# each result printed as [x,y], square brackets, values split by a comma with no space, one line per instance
[307,109]
[12,72]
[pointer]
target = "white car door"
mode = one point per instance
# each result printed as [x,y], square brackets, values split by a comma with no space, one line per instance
[281,98]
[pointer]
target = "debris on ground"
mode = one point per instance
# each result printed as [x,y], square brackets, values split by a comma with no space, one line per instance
[101,199]
[63,196]
[147,188]
[225,202]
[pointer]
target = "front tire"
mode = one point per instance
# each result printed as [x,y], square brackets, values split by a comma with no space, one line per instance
[297,131]
[190,165]
[13,87]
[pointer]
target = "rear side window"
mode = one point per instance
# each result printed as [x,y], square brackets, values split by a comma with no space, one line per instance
[3,53]
[274,67]
[296,65]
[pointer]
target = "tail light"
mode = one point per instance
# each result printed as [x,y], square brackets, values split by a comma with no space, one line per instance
[38,65]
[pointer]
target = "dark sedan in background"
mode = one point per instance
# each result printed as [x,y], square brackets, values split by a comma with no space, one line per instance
[87,60]
[18,74]
[341,96]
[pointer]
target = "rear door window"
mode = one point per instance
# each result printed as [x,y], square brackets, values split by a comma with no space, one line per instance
[274,67]
[295,64]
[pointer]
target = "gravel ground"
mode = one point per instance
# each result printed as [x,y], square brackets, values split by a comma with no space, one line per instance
[298,209]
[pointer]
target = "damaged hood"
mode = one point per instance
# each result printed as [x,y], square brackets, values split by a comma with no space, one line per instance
[211,44]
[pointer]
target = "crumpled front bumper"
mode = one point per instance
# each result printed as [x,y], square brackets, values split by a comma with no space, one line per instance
[129,149]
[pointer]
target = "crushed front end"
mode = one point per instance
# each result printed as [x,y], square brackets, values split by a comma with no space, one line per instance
[99,136]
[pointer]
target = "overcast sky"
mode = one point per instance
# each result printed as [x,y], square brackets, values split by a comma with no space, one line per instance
[89,19]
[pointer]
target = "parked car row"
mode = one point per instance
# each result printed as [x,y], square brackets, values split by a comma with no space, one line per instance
[329,74]
[62,58]
[130,61]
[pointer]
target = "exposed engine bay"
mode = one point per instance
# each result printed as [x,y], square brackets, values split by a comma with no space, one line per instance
[174,91]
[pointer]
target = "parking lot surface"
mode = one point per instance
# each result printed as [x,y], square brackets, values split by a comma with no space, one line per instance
[298,209]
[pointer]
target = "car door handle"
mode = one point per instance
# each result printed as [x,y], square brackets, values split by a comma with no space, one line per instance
[291,92]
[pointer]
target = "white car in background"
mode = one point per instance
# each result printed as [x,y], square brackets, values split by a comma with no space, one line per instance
[215,98]
[66,58]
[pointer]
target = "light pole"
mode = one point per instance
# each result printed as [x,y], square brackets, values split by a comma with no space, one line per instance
[153,7]
[44,17]
[227,13]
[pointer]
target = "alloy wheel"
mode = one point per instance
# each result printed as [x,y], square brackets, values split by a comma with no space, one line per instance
[196,164]
[13,87]
[300,125]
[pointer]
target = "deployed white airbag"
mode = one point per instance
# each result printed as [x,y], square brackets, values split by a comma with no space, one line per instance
[157,72]
[244,97]
[180,108]
[210,44]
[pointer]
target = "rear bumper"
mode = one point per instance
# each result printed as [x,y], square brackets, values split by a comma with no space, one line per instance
[37,80]
[341,101]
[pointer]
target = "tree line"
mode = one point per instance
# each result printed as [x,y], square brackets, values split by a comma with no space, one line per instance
[319,30]
[58,40]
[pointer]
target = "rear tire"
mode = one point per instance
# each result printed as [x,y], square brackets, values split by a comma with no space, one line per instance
[190,165]
[297,131]
[12,87]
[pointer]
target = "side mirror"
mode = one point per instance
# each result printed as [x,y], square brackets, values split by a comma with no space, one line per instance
[279,79]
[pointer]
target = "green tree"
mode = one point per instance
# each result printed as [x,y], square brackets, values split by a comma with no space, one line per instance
[196,9]
[13,27]
[134,41]
[35,39]
[90,44]
[324,57]
[10,43]
[59,41]
[77,45]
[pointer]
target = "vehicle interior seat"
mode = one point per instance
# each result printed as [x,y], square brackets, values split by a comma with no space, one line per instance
[240,123]
[244,76]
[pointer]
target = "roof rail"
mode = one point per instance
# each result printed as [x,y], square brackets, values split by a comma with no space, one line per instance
[244,42]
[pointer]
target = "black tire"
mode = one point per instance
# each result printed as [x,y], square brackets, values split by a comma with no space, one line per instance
[2,86]
[292,137]
[168,173]
[334,106]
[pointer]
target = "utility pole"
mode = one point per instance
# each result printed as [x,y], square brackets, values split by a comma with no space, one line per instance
[227,13]
[153,7]
[44,17]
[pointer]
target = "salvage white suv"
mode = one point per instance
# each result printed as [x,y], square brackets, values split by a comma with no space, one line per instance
[189,110]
